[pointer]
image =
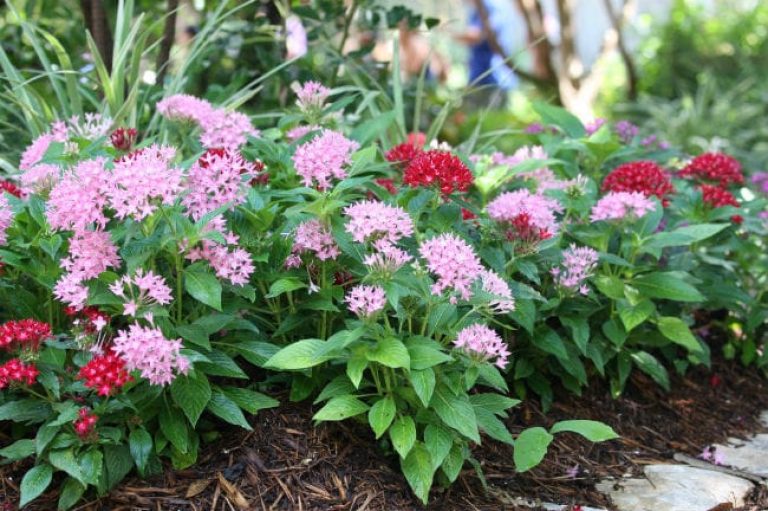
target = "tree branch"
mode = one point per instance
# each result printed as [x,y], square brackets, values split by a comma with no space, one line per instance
[626,57]
[169,34]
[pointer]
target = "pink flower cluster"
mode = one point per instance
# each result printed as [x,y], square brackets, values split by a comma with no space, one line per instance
[310,96]
[374,221]
[90,254]
[312,236]
[525,153]
[621,206]
[152,290]
[386,260]
[365,301]
[78,200]
[324,158]
[232,264]
[147,350]
[453,261]
[220,177]
[6,218]
[299,131]
[493,284]
[578,265]
[482,342]
[539,209]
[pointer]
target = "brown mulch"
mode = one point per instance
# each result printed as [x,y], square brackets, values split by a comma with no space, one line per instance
[287,464]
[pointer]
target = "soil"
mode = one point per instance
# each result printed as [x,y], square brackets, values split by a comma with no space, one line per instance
[288,464]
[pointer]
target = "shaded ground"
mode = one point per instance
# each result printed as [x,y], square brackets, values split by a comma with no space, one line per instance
[286,464]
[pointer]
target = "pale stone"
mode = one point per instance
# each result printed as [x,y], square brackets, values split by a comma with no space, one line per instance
[747,455]
[676,488]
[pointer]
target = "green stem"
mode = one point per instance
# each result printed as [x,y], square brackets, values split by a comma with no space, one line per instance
[179,289]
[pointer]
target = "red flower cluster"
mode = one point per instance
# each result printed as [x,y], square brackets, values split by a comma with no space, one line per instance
[717,167]
[523,230]
[16,370]
[718,197]
[387,184]
[123,138]
[438,168]
[90,314]
[85,424]
[262,176]
[644,176]
[26,332]
[7,186]
[104,374]
[403,154]
[467,214]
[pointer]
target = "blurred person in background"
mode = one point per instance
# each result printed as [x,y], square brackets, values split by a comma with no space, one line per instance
[490,78]
[416,52]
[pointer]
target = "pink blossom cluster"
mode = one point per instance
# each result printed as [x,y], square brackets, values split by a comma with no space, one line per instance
[386,259]
[482,342]
[323,158]
[147,350]
[453,261]
[6,218]
[143,179]
[183,107]
[310,96]
[541,210]
[141,290]
[312,236]
[229,263]
[299,131]
[365,301]
[621,206]
[90,254]
[594,125]
[578,265]
[493,284]
[78,200]
[525,153]
[377,222]
[218,178]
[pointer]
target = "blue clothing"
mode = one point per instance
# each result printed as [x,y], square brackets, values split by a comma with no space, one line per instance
[481,55]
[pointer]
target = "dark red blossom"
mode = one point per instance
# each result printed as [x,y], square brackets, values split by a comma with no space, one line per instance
[403,154]
[26,332]
[104,374]
[387,184]
[438,168]
[718,197]
[737,219]
[85,424]
[123,138]
[715,167]
[467,214]
[644,176]
[7,186]
[17,371]
[523,230]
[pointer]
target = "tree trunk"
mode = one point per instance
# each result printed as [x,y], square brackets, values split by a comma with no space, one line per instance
[98,25]
[541,48]
[629,64]
[169,35]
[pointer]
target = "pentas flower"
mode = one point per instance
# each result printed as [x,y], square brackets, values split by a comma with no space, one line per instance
[312,236]
[527,213]
[219,177]
[105,374]
[184,107]
[653,140]
[226,130]
[324,158]
[90,254]
[147,350]
[299,131]
[123,139]
[440,169]
[35,151]
[644,176]
[94,319]
[621,206]
[152,290]
[594,125]
[91,126]
[78,200]
[310,96]
[403,154]
[578,265]
[719,168]
[374,221]
[365,301]
[626,131]
[24,333]
[525,153]
[545,180]
[16,371]
[85,424]
[453,261]
[232,264]
[760,179]
[493,284]
[6,218]
[717,197]
[483,343]
[535,128]
[387,260]
[71,290]
[387,184]
[8,187]
[142,180]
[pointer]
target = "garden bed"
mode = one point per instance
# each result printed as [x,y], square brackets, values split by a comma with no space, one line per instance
[286,464]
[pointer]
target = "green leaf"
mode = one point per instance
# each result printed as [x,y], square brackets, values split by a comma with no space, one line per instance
[250,400]
[25,410]
[191,393]
[223,407]
[35,482]
[593,431]
[390,352]
[492,426]
[423,357]
[667,285]
[419,471]
[299,355]
[531,447]
[355,367]
[368,130]
[204,287]
[453,463]
[548,340]
[282,286]
[340,408]
[65,461]
[71,492]
[381,415]
[524,314]
[648,364]
[611,286]
[495,403]
[18,450]
[683,236]
[195,335]
[678,332]
[118,462]
[490,375]
[140,444]
[339,386]
[173,427]
[423,383]
[631,317]
[456,412]
[403,435]
[438,442]
[561,118]
[579,328]
[91,464]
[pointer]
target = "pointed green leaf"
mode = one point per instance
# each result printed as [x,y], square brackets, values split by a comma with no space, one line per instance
[381,415]
[593,431]
[340,408]
[531,447]
[35,482]
[419,471]
[403,435]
